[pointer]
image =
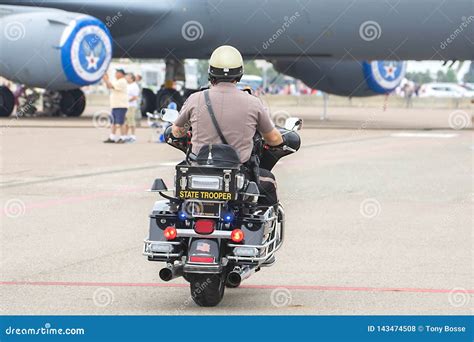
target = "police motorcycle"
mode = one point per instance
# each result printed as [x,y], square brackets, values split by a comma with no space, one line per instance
[211,229]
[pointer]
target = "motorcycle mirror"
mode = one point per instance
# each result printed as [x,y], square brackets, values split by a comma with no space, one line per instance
[159,185]
[169,115]
[293,124]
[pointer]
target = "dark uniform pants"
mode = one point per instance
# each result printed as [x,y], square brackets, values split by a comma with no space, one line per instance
[268,188]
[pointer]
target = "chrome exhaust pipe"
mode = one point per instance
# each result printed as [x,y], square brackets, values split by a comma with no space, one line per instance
[171,272]
[237,275]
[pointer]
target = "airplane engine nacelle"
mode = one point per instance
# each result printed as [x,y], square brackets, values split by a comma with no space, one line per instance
[53,49]
[345,78]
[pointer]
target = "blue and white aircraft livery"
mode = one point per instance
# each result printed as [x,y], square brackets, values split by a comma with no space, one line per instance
[345,47]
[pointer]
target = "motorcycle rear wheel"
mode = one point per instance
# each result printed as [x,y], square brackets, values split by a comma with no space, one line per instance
[207,289]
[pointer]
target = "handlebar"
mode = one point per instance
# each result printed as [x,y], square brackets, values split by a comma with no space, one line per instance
[268,155]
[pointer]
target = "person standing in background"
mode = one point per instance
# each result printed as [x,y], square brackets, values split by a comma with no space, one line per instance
[133,92]
[138,79]
[118,105]
[408,91]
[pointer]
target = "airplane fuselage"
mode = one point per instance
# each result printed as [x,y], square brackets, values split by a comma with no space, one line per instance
[337,29]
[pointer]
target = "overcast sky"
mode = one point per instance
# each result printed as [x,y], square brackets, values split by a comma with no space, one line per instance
[434,66]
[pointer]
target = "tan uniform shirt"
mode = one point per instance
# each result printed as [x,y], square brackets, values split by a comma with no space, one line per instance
[238,113]
[118,94]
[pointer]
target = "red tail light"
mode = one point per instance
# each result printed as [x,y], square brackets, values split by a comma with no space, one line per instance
[204,226]
[170,233]
[207,260]
[237,235]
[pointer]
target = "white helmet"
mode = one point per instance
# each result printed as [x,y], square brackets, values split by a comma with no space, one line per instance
[226,64]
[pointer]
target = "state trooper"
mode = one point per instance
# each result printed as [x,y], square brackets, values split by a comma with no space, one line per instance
[239,116]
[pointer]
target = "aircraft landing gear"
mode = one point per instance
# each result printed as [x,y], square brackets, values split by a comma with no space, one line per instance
[26,101]
[167,93]
[51,102]
[7,102]
[69,102]
[174,72]
[148,102]
[73,102]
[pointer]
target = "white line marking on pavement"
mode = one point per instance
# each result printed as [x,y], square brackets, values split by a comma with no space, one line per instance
[424,135]
[171,163]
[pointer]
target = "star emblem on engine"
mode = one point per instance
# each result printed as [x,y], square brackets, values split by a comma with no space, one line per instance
[390,70]
[92,61]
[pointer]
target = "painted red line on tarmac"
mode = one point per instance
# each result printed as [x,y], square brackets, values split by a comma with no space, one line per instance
[353,288]
[262,287]
[74,283]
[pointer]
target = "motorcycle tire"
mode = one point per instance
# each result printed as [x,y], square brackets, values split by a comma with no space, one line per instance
[7,102]
[73,102]
[207,289]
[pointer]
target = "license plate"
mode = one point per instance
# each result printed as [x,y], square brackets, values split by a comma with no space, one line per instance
[203,209]
[211,209]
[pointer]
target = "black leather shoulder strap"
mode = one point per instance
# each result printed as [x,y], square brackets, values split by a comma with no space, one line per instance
[213,117]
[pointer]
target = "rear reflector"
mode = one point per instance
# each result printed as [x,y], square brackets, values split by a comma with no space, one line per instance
[204,226]
[201,259]
[161,248]
[245,251]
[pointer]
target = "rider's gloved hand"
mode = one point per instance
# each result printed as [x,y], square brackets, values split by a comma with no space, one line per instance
[268,147]
[169,135]
[283,138]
